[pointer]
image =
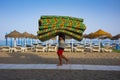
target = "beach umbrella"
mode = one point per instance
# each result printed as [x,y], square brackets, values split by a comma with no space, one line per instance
[14,34]
[101,33]
[26,35]
[32,36]
[90,36]
[116,37]
[51,26]
[11,42]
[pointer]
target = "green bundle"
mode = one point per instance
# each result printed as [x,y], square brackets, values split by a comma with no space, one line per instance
[51,26]
[77,31]
[54,33]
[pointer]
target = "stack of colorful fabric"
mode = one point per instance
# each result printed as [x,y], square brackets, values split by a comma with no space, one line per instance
[51,26]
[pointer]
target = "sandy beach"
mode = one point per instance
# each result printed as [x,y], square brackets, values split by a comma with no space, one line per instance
[52,58]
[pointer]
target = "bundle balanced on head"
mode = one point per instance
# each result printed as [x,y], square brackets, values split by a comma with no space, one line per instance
[52,26]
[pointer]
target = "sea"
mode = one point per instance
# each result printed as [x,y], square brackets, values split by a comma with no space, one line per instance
[31,42]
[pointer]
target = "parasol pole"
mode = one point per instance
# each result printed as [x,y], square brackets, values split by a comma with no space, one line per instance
[19,41]
[6,40]
[84,41]
[99,43]
[31,42]
[90,45]
[14,42]
[11,42]
[25,42]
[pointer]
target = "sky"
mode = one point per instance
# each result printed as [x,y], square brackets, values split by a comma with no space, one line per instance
[23,15]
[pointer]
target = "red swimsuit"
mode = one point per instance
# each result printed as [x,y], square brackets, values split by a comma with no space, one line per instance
[60,51]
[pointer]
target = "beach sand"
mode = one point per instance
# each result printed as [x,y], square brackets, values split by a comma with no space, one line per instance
[52,58]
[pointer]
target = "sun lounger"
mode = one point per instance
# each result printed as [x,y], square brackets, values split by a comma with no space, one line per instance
[107,49]
[67,49]
[6,48]
[18,49]
[40,48]
[95,49]
[79,48]
[52,48]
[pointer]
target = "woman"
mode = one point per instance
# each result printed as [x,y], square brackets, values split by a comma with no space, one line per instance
[60,51]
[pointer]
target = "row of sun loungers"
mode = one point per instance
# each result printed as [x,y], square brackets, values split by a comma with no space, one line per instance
[54,49]
[15,49]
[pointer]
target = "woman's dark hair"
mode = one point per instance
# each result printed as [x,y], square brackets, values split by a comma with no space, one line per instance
[62,35]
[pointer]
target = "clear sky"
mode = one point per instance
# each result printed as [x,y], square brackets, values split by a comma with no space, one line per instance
[23,15]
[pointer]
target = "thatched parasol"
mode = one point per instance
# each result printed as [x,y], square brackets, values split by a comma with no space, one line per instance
[90,36]
[101,33]
[14,34]
[26,35]
[33,36]
[116,37]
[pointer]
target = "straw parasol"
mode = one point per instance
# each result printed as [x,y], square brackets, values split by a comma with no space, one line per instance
[14,34]
[26,35]
[116,37]
[100,33]
[33,36]
[90,36]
